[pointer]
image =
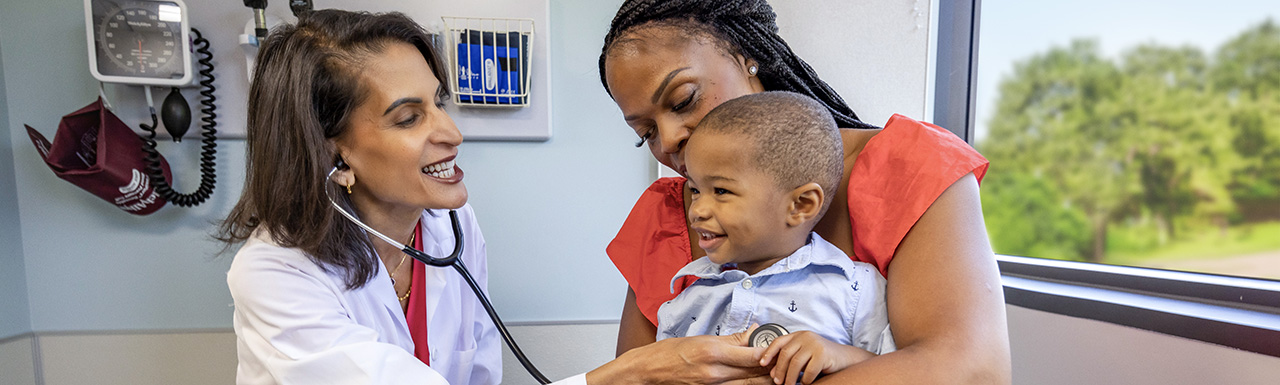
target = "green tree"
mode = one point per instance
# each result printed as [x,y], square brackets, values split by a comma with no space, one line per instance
[1249,64]
[1163,135]
[1058,118]
[1247,71]
[1026,216]
[1157,109]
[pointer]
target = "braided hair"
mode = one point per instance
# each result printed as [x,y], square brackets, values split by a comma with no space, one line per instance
[743,27]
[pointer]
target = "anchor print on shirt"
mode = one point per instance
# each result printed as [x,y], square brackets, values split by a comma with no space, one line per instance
[793,307]
[854,286]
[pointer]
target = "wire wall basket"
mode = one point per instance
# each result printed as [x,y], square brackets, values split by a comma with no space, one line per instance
[489,60]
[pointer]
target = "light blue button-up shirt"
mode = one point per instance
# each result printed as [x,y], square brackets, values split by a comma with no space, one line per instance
[817,288]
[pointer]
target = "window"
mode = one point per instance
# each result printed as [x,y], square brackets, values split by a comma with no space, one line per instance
[1132,132]
[1128,134]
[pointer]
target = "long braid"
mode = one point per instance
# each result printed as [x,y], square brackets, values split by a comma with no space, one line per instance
[749,28]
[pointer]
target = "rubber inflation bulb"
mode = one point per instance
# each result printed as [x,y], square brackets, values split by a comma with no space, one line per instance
[176,114]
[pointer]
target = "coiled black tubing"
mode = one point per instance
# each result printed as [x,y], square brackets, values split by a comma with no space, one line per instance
[209,134]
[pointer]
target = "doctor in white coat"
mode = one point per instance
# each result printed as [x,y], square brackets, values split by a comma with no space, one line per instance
[296,323]
[319,301]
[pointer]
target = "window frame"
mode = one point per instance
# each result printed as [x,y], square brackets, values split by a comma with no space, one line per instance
[1238,312]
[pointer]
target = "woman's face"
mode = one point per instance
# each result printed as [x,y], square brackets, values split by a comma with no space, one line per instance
[665,82]
[400,144]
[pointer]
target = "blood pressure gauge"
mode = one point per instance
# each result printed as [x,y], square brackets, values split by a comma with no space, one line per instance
[139,41]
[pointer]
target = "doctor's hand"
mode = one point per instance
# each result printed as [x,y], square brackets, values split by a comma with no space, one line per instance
[810,353]
[688,360]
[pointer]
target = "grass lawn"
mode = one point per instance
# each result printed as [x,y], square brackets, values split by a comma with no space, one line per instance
[1134,247]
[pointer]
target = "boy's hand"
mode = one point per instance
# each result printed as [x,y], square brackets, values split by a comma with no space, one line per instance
[808,352]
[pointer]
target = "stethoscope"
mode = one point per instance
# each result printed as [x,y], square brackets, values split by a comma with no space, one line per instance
[451,260]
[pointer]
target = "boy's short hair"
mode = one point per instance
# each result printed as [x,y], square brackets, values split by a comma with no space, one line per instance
[794,137]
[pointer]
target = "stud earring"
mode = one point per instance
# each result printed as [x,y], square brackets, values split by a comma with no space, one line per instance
[752,70]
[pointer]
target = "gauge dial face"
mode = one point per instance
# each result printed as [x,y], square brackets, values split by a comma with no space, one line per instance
[139,39]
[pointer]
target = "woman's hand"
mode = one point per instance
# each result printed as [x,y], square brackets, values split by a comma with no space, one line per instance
[808,352]
[688,360]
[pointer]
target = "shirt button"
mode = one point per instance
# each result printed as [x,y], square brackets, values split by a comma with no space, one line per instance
[746,284]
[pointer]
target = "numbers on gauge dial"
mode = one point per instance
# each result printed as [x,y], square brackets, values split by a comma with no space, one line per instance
[138,39]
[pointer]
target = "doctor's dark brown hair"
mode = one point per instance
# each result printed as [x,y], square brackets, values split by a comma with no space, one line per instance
[306,84]
[740,27]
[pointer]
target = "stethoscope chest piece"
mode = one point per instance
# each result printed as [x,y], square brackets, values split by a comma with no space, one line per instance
[765,334]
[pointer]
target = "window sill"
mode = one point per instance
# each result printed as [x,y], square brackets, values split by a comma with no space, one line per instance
[1242,313]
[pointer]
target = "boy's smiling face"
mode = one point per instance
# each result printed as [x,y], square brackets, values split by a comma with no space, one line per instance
[738,211]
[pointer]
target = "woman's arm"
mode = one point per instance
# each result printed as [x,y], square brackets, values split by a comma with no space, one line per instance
[945,300]
[634,330]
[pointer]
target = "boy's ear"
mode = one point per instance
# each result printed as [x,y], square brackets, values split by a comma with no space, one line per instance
[806,203]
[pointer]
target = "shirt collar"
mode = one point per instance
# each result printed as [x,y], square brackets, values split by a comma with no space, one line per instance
[816,251]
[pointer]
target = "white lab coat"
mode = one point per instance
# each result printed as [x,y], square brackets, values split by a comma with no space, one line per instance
[297,324]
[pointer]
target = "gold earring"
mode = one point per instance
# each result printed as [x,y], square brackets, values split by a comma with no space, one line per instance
[349,188]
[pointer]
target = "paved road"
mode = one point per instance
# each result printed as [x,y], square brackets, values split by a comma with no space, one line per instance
[1262,265]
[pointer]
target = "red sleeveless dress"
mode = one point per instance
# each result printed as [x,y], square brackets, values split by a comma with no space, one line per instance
[896,177]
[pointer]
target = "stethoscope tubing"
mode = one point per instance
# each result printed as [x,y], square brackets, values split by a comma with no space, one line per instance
[451,260]
[502,329]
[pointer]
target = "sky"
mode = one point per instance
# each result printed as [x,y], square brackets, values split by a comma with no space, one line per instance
[1013,30]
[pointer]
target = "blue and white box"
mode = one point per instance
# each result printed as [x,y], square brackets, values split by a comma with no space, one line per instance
[492,63]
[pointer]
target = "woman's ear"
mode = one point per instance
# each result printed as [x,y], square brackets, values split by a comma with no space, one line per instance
[806,204]
[752,69]
[344,176]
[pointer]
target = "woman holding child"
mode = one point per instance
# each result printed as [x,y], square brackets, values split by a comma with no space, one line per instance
[908,203]
[349,108]
[318,302]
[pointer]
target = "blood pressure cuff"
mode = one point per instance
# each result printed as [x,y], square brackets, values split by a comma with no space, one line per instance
[96,151]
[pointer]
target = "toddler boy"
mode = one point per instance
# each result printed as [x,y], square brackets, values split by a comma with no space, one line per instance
[763,169]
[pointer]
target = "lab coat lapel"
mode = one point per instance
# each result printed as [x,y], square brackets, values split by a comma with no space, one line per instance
[381,289]
[439,233]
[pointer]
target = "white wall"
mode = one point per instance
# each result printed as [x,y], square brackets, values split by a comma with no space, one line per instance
[16,316]
[209,357]
[17,361]
[559,350]
[548,209]
[1051,349]
[132,358]
[91,266]
[874,53]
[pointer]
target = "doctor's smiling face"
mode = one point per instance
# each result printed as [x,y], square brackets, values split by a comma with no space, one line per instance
[400,144]
[665,82]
